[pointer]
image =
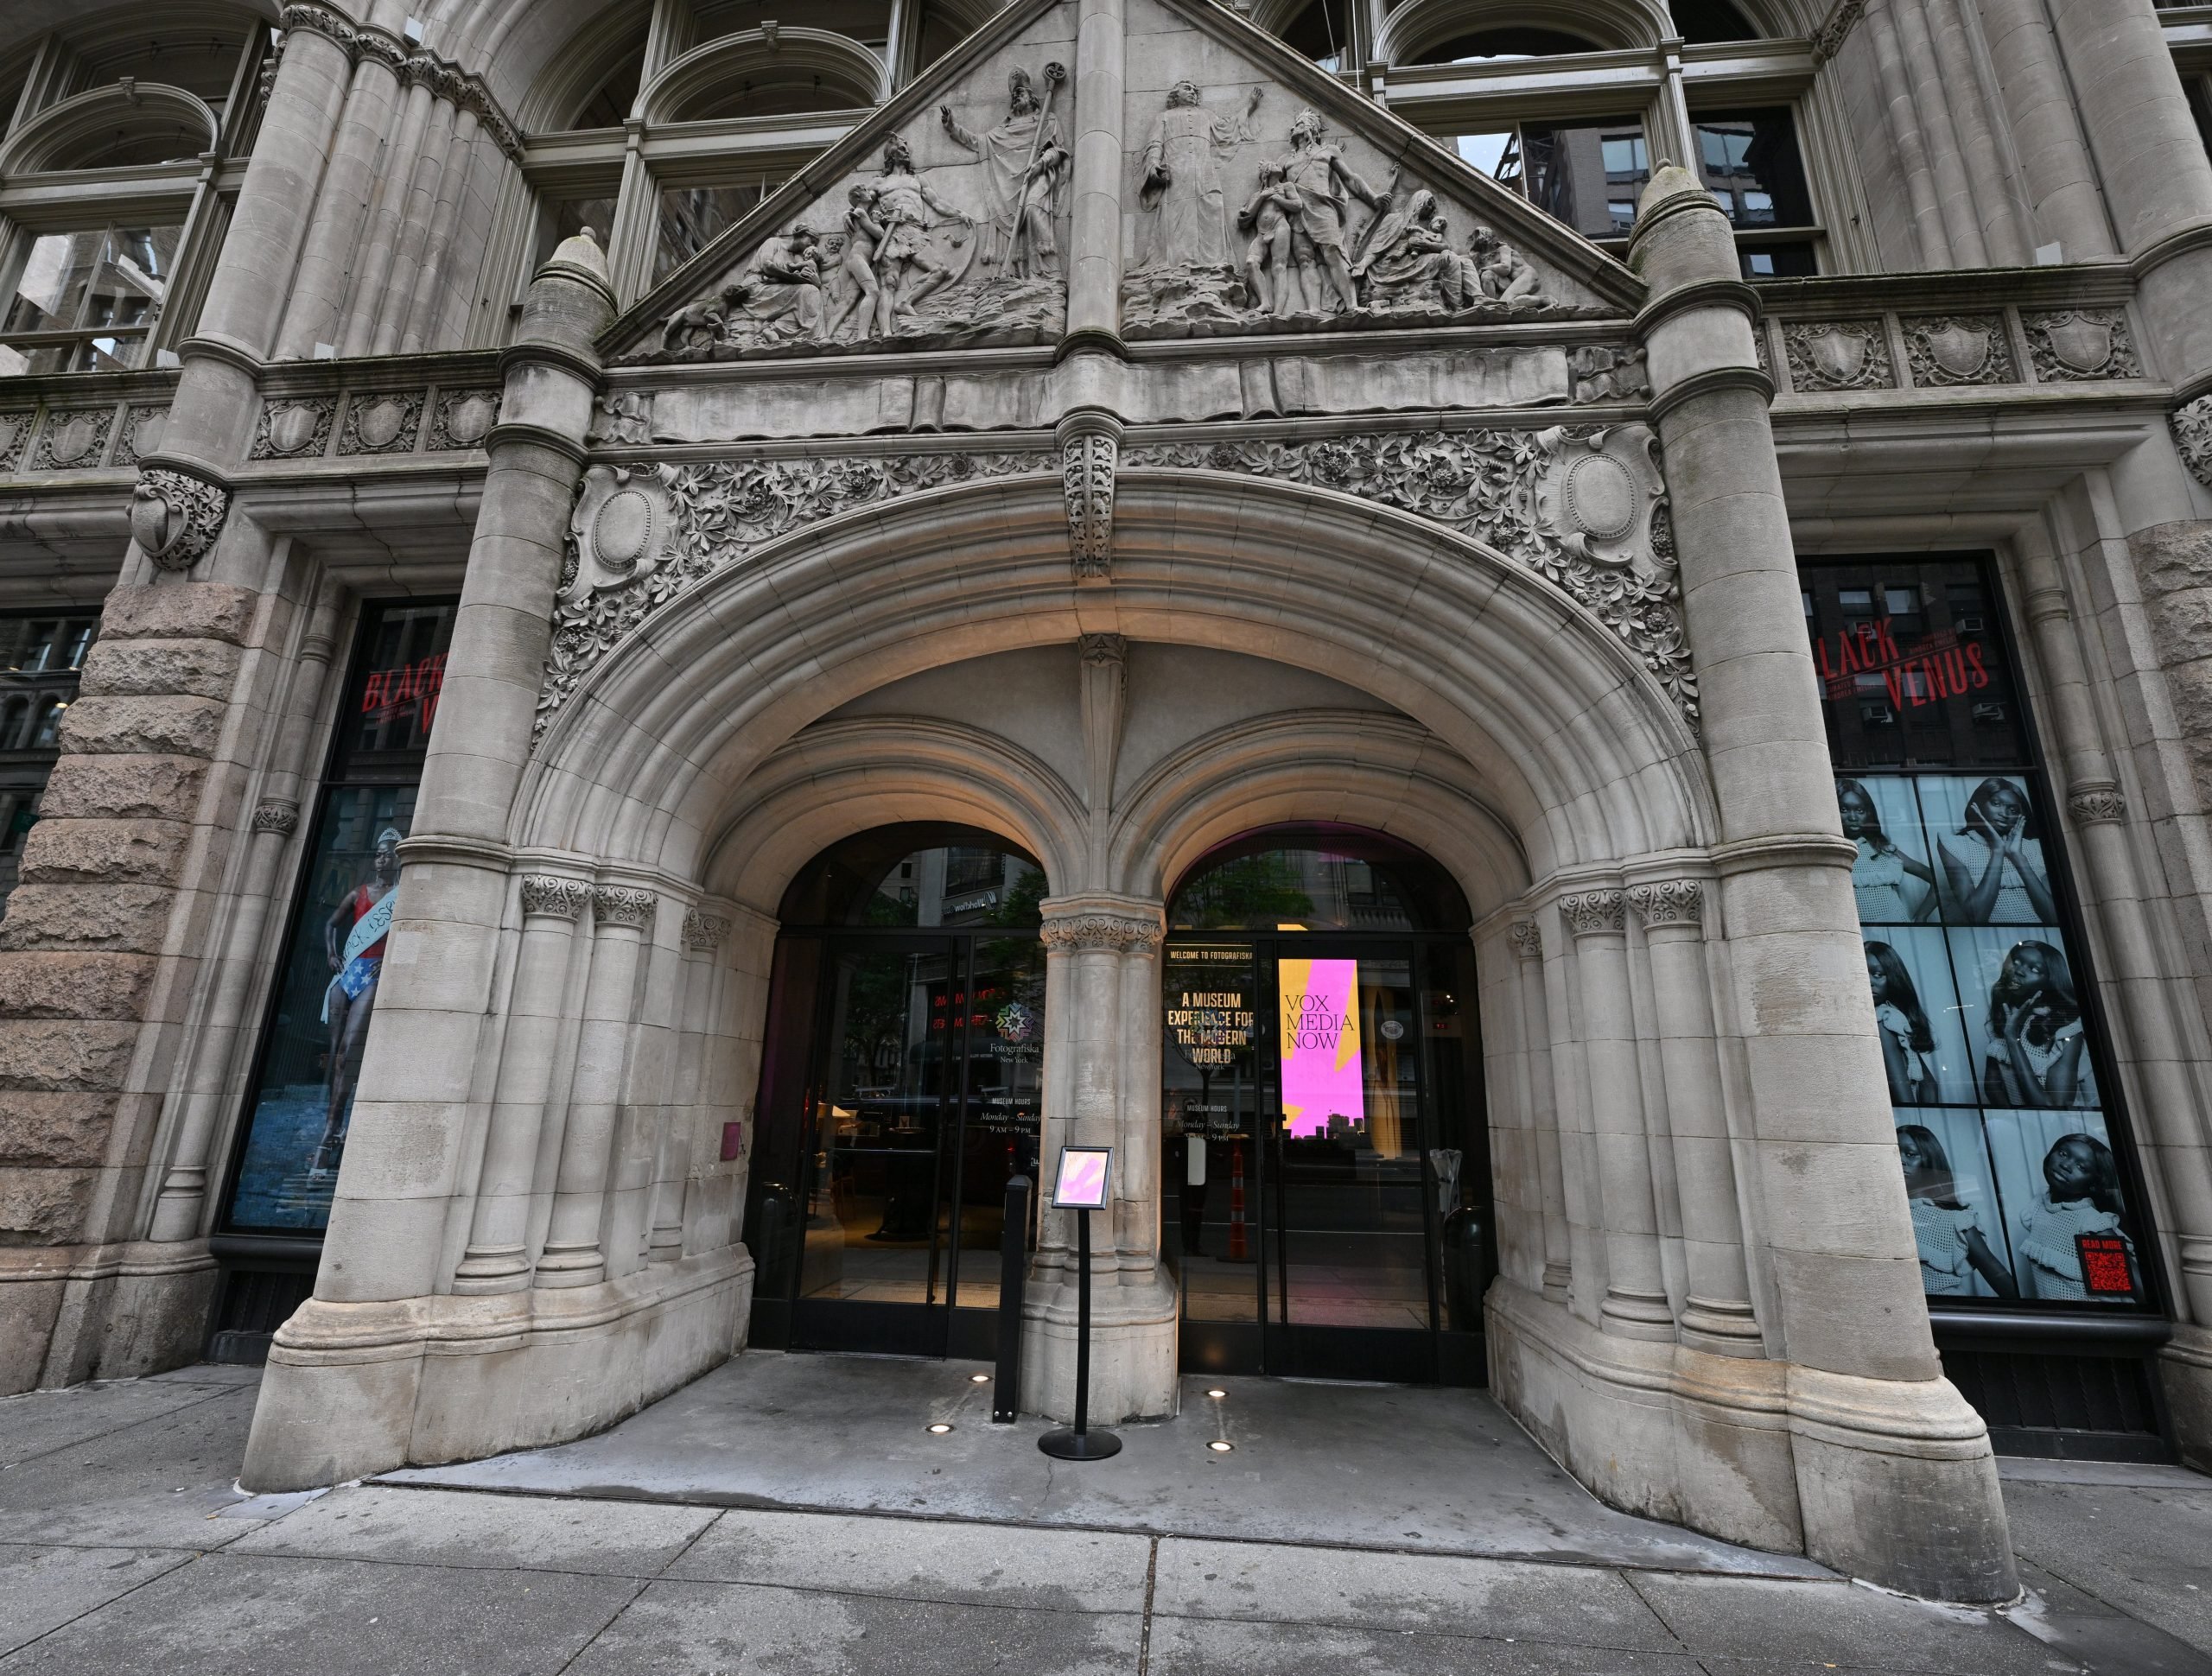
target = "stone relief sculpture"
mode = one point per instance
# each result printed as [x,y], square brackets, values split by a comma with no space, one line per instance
[901,270]
[1300,262]
[2192,424]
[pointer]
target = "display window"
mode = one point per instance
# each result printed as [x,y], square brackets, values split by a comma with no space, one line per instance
[1992,1051]
[301,1103]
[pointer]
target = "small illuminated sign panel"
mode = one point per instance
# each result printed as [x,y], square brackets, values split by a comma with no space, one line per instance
[2104,1266]
[1082,1183]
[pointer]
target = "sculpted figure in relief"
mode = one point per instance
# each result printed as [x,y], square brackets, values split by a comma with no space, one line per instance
[1409,260]
[1274,269]
[1026,162]
[1317,172]
[906,269]
[1182,191]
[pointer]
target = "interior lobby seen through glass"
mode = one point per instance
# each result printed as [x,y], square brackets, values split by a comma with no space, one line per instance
[1309,881]
[921,874]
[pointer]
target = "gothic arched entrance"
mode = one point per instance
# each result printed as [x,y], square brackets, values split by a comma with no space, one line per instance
[1324,1171]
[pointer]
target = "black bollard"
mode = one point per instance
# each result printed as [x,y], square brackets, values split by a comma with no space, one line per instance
[1013,1270]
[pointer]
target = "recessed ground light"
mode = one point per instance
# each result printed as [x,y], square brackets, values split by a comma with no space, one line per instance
[1221,1445]
[979,1379]
[940,1428]
[1217,1391]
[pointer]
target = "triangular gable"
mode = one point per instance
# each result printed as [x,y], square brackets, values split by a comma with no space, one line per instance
[921,234]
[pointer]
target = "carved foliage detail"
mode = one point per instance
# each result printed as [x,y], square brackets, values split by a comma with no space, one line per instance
[2090,802]
[175,518]
[545,893]
[1121,933]
[1958,349]
[15,431]
[2192,429]
[1595,913]
[1674,902]
[463,418]
[2075,344]
[704,930]
[291,429]
[1527,939]
[381,422]
[1838,355]
[1087,470]
[1579,507]
[279,815]
[619,904]
[140,434]
[74,440]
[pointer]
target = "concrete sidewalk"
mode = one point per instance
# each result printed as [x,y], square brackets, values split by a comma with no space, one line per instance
[125,1549]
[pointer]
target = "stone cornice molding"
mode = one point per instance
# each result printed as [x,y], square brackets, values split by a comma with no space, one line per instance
[1757,380]
[705,931]
[2094,801]
[2182,241]
[553,897]
[412,64]
[1736,294]
[1527,938]
[1120,924]
[1784,849]
[1668,902]
[621,906]
[1596,913]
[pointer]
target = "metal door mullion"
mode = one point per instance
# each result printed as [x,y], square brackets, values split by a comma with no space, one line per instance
[1428,1128]
[963,961]
[936,1152]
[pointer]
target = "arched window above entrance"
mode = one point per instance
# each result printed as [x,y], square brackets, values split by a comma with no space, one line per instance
[1317,879]
[919,874]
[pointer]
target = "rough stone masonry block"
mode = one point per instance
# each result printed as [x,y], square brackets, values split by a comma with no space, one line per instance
[44,1207]
[204,669]
[69,984]
[56,1053]
[191,610]
[28,1310]
[176,726]
[128,852]
[123,788]
[54,1129]
[133,918]
[2175,563]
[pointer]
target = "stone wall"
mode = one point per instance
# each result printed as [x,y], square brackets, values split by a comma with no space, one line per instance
[2174,562]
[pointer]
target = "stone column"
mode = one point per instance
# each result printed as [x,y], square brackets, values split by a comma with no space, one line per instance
[622,922]
[538,1024]
[702,988]
[2064,196]
[1946,157]
[1717,1316]
[1101,1007]
[1878,1437]
[330,1406]
[1094,233]
[1911,138]
[318,289]
[1635,1305]
[1543,1102]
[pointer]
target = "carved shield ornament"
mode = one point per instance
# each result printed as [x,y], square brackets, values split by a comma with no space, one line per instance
[292,427]
[620,526]
[469,419]
[1839,354]
[380,423]
[71,441]
[2084,345]
[1961,351]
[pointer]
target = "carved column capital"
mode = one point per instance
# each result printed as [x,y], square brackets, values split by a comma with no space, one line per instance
[1092,922]
[545,893]
[279,814]
[174,517]
[621,904]
[1104,649]
[1595,913]
[1673,902]
[704,930]
[1527,939]
[1090,446]
[2090,801]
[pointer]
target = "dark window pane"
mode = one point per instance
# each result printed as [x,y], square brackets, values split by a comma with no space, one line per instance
[1588,174]
[1793,259]
[1483,44]
[1750,160]
[1701,21]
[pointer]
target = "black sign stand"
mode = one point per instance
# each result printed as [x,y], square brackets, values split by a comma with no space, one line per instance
[1078,1442]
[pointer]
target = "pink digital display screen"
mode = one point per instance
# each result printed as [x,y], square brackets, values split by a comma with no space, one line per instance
[1320,1046]
[1082,1186]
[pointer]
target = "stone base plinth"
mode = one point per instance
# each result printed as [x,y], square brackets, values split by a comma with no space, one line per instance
[72,1313]
[1132,1333]
[358,1388]
[1886,1480]
[2185,1376]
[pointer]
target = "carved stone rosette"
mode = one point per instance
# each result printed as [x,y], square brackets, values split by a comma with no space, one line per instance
[1595,913]
[1673,902]
[704,930]
[1958,349]
[174,517]
[621,904]
[279,816]
[2192,429]
[1091,445]
[1122,933]
[2092,802]
[1527,938]
[2072,345]
[1850,354]
[546,893]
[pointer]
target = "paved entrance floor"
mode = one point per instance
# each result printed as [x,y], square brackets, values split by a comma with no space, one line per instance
[792,1515]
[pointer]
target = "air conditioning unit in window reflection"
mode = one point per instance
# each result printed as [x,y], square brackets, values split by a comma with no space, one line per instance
[1967,625]
[1876,715]
[1989,715]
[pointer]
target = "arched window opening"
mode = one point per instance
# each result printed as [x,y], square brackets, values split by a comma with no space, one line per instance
[1323,33]
[1704,21]
[867,22]
[1317,879]
[610,103]
[917,874]
[1483,46]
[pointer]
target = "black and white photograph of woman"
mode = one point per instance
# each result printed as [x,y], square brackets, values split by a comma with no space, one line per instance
[1952,1221]
[2032,1049]
[2058,1180]
[1891,878]
[1993,868]
[1907,1041]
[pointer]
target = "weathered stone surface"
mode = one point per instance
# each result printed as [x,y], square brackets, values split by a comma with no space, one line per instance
[66,984]
[136,851]
[28,1308]
[44,1207]
[64,1054]
[129,726]
[2175,563]
[178,610]
[132,917]
[123,788]
[49,1128]
[203,667]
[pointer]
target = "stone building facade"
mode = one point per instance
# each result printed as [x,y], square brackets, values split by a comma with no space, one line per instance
[1553,660]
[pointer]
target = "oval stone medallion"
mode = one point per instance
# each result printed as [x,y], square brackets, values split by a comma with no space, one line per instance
[1601,495]
[623,529]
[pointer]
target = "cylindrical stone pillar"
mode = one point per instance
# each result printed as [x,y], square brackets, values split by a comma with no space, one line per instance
[1636,1304]
[1717,1315]
[1879,1439]
[1946,157]
[1095,232]
[319,287]
[622,920]
[2062,184]
[1909,138]
[1544,1103]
